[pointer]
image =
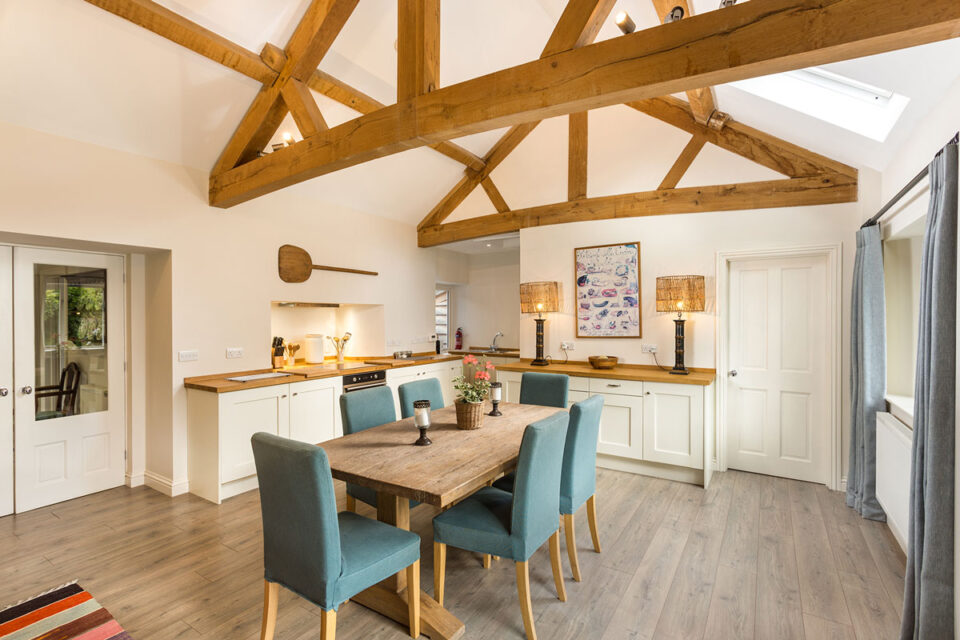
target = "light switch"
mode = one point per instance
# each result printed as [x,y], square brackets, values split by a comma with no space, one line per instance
[191,355]
[234,352]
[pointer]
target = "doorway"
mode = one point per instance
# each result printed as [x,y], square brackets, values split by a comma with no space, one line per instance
[779,340]
[62,419]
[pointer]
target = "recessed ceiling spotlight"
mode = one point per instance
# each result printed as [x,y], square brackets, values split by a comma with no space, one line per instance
[287,138]
[626,24]
[675,14]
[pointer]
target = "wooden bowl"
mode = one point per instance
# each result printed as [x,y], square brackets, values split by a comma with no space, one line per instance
[603,362]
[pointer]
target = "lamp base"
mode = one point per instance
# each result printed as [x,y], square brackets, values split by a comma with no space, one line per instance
[679,368]
[680,372]
[539,362]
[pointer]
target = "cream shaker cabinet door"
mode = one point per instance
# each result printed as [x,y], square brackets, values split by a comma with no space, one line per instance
[315,410]
[511,385]
[673,424]
[244,413]
[621,426]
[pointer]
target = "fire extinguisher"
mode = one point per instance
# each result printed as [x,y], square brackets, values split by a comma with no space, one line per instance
[458,339]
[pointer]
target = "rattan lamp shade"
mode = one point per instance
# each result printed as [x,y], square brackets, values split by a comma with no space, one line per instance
[535,294]
[680,293]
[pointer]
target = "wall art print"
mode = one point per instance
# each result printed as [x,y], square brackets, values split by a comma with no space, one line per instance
[608,291]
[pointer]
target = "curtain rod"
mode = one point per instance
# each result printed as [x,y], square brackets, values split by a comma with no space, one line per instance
[910,185]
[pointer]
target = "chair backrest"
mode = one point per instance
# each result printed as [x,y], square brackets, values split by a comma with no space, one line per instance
[361,410]
[579,479]
[536,490]
[428,389]
[69,386]
[301,535]
[547,389]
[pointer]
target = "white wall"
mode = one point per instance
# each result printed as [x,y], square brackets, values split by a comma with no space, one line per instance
[221,266]
[489,301]
[688,244]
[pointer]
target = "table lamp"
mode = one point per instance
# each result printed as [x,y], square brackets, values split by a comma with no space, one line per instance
[539,298]
[680,294]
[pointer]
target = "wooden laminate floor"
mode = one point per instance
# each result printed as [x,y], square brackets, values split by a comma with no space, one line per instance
[752,557]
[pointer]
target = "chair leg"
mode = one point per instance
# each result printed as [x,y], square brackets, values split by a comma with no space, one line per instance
[271,595]
[568,528]
[592,519]
[486,561]
[328,624]
[439,570]
[413,598]
[351,503]
[557,567]
[526,607]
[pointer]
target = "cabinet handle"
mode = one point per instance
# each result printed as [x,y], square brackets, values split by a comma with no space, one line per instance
[284,396]
[614,386]
[294,394]
[647,393]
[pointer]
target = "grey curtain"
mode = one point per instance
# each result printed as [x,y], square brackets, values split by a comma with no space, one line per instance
[868,364]
[928,598]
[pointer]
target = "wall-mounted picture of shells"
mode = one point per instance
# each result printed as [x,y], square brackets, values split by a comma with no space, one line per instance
[608,277]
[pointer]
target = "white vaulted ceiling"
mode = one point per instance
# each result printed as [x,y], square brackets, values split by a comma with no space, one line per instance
[74,70]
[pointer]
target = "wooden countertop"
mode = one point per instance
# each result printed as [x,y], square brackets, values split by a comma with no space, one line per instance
[218,383]
[479,351]
[637,372]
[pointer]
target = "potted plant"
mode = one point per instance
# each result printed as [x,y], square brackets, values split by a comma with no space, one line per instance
[474,387]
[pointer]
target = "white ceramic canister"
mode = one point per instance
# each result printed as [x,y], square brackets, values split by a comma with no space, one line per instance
[313,348]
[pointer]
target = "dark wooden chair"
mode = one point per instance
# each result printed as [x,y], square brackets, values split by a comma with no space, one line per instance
[66,393]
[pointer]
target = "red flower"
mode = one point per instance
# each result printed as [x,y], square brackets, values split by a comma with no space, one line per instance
[489,365]
[470,359]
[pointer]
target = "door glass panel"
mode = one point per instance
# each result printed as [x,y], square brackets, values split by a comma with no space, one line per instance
[71,332]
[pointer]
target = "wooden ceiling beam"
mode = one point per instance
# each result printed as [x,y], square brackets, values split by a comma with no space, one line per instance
[789,192]
[310,41]
[683,162]
[774,153]
[494,194]
[303,108]
[703,102]
[577,156]
[578,25]
[746,40]
[418,48]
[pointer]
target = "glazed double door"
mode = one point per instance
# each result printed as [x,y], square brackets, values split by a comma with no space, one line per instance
[62,395]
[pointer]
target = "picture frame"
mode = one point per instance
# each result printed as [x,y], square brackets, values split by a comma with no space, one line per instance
[606,281]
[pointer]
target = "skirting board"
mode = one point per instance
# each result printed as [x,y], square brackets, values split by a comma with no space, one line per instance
[655,469]
[134,480]
[165,485]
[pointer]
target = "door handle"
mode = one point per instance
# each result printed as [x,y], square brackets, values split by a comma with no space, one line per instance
[732,373]
[3,392]
[27,390]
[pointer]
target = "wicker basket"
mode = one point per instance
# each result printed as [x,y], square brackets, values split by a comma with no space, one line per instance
[469,415]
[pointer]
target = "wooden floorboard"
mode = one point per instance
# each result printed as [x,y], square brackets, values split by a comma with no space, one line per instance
[752,557]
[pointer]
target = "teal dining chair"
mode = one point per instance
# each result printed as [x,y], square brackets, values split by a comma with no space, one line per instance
[512,525]
[410,392]
[578,480]
[547,389]
[362,410]
[321,555]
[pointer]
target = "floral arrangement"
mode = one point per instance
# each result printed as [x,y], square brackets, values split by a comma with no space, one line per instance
[474,384]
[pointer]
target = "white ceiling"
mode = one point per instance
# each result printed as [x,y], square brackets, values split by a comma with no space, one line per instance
[73,70]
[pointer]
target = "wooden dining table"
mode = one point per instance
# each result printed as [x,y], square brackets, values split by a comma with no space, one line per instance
[458,463]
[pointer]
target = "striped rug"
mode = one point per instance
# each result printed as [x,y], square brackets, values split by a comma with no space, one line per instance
[67,613]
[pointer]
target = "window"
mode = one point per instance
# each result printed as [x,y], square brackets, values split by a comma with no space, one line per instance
[853,105]
[441,311]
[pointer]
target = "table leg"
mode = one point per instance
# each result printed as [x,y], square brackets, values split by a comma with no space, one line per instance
[389,598]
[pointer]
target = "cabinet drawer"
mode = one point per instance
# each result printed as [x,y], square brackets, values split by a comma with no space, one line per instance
[621,387]
[579,384]
[576,396]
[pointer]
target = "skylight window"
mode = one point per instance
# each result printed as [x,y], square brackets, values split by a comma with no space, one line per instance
[853,105]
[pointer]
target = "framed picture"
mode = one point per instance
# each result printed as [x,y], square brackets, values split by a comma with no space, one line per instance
[607,282]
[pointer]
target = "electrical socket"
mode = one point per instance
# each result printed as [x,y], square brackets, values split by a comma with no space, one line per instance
[191,355]
[648,348]
[567,346]
[234,352]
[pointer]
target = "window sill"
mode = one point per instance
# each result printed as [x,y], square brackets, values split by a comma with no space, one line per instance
[901,407]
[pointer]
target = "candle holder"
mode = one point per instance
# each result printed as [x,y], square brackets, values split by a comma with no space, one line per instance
[421,418]
[496,392]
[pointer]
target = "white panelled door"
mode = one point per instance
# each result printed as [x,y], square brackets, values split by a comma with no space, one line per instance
[69,392]
[778,400]
[6,381]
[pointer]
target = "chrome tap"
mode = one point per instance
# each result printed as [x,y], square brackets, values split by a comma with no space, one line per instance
[493,345]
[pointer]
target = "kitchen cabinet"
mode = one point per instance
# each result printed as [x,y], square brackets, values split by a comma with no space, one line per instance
[621,426]
[511,385]
[220,425]
[673,424]
[444,372]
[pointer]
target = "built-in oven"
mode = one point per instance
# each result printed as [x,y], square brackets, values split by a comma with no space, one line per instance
[366,380]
